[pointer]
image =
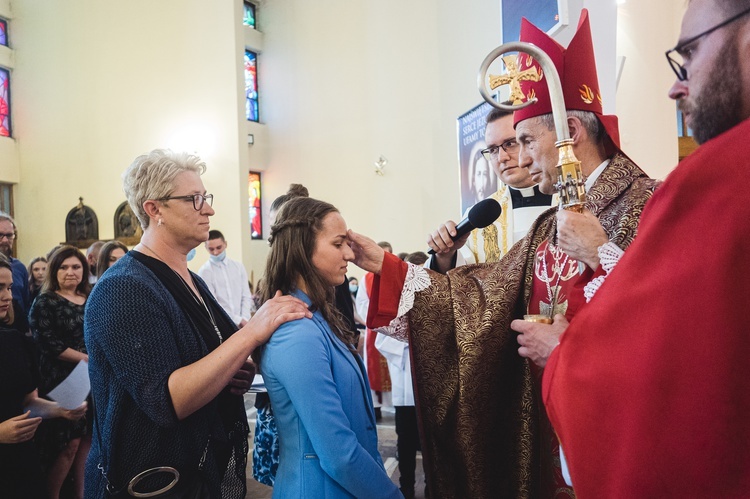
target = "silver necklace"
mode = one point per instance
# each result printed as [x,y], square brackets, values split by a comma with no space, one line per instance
[559,267]
[198,299]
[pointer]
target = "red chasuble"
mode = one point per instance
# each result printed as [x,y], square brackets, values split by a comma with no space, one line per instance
[649,390]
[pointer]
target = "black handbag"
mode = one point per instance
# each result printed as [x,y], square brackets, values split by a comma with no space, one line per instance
[181,486]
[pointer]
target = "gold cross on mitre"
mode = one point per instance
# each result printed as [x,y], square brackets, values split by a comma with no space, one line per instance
[514,78]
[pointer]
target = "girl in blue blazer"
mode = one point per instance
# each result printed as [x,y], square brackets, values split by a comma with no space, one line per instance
[315,379]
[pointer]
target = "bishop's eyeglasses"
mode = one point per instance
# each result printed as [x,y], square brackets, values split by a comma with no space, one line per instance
[509,146]
[197,199]
[676,56]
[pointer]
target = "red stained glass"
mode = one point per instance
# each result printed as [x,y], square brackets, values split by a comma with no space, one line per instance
[253,194]
[4,103]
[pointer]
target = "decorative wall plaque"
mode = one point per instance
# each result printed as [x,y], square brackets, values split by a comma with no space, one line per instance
[127,227]
[81,226]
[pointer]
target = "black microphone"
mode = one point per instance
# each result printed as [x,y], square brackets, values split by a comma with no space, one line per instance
[480,216]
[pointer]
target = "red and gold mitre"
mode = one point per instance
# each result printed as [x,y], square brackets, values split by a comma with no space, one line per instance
[577,69]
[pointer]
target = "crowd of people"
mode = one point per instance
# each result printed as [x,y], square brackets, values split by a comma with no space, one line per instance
[632,386]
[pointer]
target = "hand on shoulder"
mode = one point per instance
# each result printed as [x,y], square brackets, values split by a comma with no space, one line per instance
[274,313]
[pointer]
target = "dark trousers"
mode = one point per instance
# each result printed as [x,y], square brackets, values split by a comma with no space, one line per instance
[407,444]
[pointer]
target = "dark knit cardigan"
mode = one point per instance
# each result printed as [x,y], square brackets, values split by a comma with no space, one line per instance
[137,335]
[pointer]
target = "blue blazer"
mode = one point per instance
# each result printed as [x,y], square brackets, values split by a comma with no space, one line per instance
[328,441]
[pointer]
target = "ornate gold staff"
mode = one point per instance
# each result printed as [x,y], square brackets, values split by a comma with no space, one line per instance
[570,183]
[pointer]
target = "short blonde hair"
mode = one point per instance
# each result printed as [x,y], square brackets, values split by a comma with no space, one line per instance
[151,176]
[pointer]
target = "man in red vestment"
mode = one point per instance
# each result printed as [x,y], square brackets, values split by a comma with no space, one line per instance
[484,429]
[648,389]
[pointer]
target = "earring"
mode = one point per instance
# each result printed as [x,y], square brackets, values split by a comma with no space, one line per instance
[160,223]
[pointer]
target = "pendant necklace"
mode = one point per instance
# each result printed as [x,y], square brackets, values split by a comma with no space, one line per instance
[198,299]
[559,267]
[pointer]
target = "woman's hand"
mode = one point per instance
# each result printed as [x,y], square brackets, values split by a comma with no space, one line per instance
[242,379]
[18,429]
[72,414]
[274,313]
[367,254]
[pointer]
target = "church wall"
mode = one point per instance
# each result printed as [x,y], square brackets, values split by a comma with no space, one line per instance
[98,83]
[9,168]
[348,82]
[648,123]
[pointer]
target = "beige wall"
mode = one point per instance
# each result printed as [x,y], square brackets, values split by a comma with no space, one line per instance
[96,83]
[345,82]
[9,167]
[648,123]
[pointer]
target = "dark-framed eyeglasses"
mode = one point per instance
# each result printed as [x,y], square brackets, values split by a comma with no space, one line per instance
[509,146]
[197,199]
[7,235]
[675,56]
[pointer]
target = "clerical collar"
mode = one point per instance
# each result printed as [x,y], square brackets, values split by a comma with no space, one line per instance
[528,196]
[525,191]
[595,174]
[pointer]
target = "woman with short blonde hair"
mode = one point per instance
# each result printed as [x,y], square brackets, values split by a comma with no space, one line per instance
[168,367]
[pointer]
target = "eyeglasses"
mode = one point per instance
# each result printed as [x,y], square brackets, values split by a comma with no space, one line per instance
[676,57]
[9,235]
[509,146]
[197,199]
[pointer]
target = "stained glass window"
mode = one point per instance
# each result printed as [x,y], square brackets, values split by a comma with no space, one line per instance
[4,103]
[249,17]
[3,32]
[253,194]
[251,86]
[6,197]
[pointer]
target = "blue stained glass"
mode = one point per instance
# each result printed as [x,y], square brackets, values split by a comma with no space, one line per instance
[3,32]
[251,86]
[4,103]
[249,17]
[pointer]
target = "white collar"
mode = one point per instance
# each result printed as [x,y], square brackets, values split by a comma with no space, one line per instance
[526,192]
[595,174]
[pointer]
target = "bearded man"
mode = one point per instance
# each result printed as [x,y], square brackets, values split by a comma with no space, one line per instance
[648,389]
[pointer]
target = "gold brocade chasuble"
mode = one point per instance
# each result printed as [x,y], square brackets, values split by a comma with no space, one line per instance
[479,407]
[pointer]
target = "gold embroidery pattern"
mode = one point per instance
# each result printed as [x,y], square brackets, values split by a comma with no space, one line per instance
[491,247]
[492,250]
[479,406]
[587,94]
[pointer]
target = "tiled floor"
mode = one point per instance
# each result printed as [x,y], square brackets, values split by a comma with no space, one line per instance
[386,444]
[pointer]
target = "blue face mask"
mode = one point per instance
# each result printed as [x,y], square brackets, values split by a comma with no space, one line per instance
[353,288]
[191,254]
[218,258]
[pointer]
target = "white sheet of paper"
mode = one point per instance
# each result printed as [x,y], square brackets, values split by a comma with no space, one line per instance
[74,389]
[258,385]
[564,466]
